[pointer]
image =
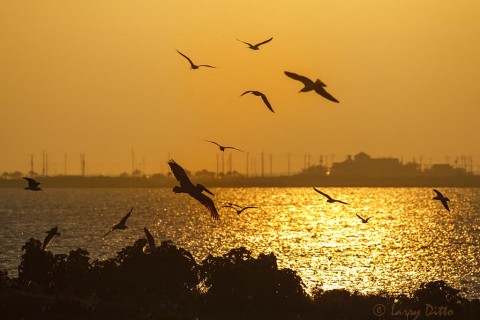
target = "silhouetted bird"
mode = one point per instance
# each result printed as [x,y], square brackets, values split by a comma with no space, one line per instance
[32,184]
[329,199]
[309,85]
[222,148]
[50,234]
[363,219]
[195,191]
[255,46]
[442,199]
[121,225]
[150,246]
[259,94]
[194,66]
[239,209]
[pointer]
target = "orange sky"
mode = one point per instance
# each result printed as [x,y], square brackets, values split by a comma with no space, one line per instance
[103,77]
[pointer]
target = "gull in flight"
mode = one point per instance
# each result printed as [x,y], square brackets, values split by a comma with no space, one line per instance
[150,247]
[195,191]
[239,209]
[329,199]
[193,65]
[259,94]
[121,225]
[50,234]
[32,184]
[222,148]
[255,46]
[442,199]
[363,219]
[309,85]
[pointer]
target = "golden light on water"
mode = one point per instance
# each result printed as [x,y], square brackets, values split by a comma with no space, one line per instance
[409,239]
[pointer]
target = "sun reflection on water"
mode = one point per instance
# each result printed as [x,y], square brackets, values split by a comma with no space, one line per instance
[409,239]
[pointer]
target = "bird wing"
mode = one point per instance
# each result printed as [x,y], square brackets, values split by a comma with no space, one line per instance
[47,240]
[31,182]
[212,142]
[206,65]
[124,219]
[207,202]
[445,204]
[249,91]
[298,77]
[203,188]
[325,94]
[106,234]
[341,201]
[263,42]
[265,100]
[234,148]
[243,209]
[150,239]
[245,42]
[360,217]
[322,193]
[439,194]
[180,173]
[191,63]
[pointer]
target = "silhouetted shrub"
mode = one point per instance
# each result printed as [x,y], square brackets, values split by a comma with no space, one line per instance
[238,281]
[36,265]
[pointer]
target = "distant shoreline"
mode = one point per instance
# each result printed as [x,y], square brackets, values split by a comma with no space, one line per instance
[161,181]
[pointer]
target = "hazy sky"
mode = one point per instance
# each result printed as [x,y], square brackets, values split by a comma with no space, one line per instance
[102,77]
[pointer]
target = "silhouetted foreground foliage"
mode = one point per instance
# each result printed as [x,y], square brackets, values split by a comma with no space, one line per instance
[169,284]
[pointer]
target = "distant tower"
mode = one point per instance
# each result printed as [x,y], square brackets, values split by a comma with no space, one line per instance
[65,164]
[263,163]
[247,156]
[288,164]
[133,161]
[82,164]
[31,164]
[271,164]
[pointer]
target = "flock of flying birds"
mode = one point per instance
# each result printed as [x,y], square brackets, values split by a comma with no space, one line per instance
[197,191]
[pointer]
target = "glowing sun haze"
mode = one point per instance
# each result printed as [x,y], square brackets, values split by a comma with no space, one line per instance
[102,77]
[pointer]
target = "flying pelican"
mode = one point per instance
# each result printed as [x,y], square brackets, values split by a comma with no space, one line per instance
[150,247]
[195,191]
[363,219]
[259,94]
[255,46]
[193,65]
[239,209]
[121,225]
[309,85]
[222,148]
[329,199]
[32,184]
[50,234]
[442,199]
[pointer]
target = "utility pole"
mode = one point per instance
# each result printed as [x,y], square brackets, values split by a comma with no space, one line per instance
[31,163]
[263,163]
[248,154]
[271,164]
[65,164]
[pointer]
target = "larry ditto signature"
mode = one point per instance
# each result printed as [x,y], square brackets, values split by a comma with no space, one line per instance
[380,310]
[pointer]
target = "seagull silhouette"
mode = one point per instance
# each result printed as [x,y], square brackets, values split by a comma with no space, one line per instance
[363,219]
[329,199]
[32,184]
[50,234]
[193,65]
[442,199]
[239,209]
[309,85]
[150,247]
[255,46]
[222,148]
[195,191]
[259,94]
[121,225]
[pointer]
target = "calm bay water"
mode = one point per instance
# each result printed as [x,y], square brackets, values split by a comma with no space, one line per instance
[410,238]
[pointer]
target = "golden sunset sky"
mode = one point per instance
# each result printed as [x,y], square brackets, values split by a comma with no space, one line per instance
[102,77]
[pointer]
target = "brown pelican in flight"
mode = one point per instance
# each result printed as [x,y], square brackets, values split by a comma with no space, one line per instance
[239,209]
[32,184]
[193,65]
[363,219]
[195,191]
[121,225]
[309,85]
[255,46]
[50,234]
[259,94]
[329,199]
[150,247]
[222,148]
[442,199]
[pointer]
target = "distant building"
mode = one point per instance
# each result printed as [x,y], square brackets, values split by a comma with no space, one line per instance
[364,165]
[445,170]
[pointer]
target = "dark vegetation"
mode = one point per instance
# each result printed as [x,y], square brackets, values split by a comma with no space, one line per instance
[170,284]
